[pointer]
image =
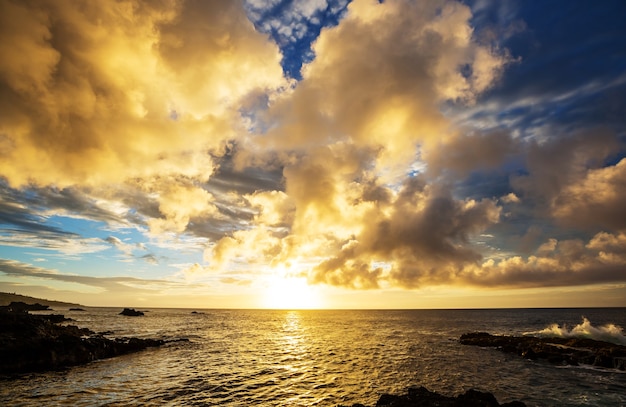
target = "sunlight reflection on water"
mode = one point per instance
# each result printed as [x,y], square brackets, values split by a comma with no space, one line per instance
[316,358]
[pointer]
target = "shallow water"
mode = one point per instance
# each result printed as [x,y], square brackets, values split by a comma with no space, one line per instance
[318,358]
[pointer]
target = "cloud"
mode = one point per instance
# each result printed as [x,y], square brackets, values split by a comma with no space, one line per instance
[569,181]
[128,248]
[424,234]
[568,76]
[120,112]
[294,25]
[41,203]
[67,245]
[477,151]
[150,258]
[379,77]
[596,200]
[556,263]
[16,216]
[117,285]
[342,233]
[275,208]
[179,205]
[392,162]
[192,271]
[103,92]
[245,249]
[346,136]
[510,198]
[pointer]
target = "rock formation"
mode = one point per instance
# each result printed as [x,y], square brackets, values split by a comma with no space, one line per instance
[563,351]
[422,397]
[19,306]
[131,312]
[36,343]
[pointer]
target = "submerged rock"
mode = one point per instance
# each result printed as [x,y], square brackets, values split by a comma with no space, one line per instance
[422,397]
[562,351]
[131,312]
[31,343]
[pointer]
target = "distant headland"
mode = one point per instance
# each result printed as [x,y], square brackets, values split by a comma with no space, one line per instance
[7,298]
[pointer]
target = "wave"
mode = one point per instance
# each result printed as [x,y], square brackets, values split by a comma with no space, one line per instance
[607,333]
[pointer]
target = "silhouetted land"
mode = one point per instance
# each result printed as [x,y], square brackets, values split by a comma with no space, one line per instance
[7,298]
[31,343]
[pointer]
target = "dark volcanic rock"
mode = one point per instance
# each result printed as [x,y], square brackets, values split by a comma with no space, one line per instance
[563,351]
[23,307]
[76,309]
[34,343]
[422,397]
[130,312]
[55,318]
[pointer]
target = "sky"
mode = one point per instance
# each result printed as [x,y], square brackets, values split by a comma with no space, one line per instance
[314,154]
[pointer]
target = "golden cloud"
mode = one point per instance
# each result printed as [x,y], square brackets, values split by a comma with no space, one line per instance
[597,199]
[379,77]
[131,101]
[348,132]
[555,263]
[178,205]
[97,92]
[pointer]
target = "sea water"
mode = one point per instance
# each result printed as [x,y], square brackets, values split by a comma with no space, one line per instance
[323,358]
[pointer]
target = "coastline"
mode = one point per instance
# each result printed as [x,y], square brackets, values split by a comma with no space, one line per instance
[36,343]
[555,350]
[268,357]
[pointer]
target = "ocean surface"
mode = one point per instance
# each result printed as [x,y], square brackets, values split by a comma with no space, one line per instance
[323,358]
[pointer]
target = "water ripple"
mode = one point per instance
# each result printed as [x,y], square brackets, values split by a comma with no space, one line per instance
[316,358]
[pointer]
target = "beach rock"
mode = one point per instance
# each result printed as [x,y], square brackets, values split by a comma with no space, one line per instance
[561,351]
[130,312]
[422,397]
[31,343]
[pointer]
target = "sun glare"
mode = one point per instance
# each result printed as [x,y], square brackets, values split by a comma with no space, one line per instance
[285,292]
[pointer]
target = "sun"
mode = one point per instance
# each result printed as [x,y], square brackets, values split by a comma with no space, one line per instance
[289,292]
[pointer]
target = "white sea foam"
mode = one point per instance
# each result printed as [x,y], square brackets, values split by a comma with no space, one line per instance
[608,333]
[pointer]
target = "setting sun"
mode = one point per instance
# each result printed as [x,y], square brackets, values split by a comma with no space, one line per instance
[286,292]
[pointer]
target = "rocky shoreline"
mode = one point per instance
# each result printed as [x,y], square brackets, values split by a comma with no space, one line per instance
[422,397]
[31,343]
[561,351]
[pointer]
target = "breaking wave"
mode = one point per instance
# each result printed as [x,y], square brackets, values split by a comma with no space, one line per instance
[608,333]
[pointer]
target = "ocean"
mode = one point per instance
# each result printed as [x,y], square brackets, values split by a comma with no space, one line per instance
[323,358]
